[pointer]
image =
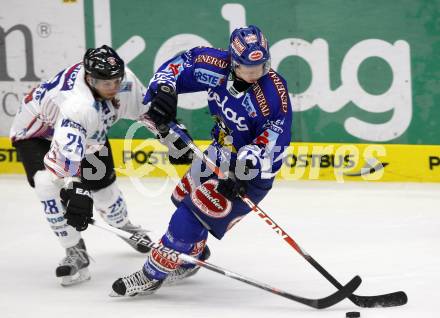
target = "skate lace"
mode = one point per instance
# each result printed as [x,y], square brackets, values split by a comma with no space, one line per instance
[136,279]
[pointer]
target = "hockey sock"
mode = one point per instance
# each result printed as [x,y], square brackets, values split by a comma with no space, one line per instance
[49,194]
[110,203]
[185,234]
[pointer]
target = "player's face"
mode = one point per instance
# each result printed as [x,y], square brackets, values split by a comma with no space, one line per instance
[107,89]
[250,74]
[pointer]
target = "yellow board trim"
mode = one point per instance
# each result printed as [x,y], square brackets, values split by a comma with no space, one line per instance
[304,161]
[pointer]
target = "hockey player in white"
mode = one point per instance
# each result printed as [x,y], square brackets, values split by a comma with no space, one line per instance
[60,132]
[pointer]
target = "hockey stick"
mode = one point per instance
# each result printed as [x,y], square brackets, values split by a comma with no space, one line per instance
[386,300]
[320,303]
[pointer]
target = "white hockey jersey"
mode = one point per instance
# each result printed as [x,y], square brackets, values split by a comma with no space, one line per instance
[65,111]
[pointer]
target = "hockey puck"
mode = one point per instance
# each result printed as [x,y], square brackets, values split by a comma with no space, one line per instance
[353,314]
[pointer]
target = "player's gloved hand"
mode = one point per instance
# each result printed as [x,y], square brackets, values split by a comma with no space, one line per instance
[178,151]
[184,159]
[232,187]
[235,186]
[163,107]
[177,156]
[78,204]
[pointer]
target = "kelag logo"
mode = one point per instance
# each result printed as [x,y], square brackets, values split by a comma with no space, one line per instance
[393,105]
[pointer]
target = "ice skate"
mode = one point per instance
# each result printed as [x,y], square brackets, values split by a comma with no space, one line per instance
[134,284]
[73,268]
[136,229]
[185,272]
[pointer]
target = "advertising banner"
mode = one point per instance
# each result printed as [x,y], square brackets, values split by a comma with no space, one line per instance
[37,40]
[357,71]
[363,76]
[304,161]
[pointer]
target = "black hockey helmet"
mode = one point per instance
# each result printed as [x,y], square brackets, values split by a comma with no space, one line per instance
[103,63]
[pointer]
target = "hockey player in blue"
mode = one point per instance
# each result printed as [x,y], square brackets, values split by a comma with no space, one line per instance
[250,105]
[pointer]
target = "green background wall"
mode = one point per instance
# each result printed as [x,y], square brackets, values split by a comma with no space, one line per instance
[342,24]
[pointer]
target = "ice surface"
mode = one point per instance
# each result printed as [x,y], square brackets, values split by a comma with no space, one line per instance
[389,234]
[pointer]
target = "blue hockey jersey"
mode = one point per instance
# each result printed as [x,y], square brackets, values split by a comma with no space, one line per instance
[253,123]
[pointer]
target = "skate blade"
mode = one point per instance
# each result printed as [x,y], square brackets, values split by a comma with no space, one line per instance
[172,280]
[81,276]
[115,294]
[144,293]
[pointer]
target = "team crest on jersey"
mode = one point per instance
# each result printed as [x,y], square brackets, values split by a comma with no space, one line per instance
[247,103]
[209,201]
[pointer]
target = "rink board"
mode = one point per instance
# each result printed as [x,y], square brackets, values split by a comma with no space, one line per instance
[304,161]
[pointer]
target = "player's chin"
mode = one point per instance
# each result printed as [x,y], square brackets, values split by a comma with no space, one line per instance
[250,80]
[109,95]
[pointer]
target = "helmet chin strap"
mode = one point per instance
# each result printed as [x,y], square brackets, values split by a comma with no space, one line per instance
[235,86]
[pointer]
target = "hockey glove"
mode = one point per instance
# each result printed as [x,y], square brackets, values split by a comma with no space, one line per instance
[175,155]
[232,187]
[185,158]
[179,153]
[163,107]
[78,204]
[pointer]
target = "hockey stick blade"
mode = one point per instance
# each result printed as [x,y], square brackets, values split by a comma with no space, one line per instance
[320,303]
[387,300]
[339,295]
